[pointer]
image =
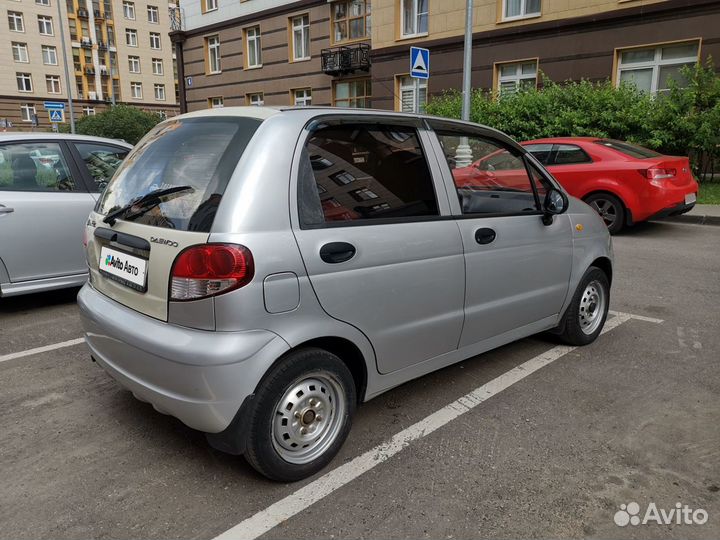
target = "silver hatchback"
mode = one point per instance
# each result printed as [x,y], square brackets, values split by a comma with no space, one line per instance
[257,273]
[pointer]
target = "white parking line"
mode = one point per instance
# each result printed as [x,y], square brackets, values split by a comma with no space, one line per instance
[284,509]
[38,350]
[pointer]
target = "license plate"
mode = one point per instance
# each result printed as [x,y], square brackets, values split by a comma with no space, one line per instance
[690,198]
[123,268]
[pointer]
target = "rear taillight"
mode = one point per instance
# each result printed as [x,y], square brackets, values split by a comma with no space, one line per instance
[657,173]
[209,270]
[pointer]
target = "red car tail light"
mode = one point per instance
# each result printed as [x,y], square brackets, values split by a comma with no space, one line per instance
[210,269]
[658,173]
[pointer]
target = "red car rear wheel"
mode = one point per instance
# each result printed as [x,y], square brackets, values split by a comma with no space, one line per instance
[610,208]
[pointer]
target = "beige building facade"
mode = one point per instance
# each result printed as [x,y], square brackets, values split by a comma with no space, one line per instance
[104,40]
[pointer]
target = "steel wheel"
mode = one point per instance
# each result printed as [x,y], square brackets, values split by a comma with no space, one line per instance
[308,418]
[592,307]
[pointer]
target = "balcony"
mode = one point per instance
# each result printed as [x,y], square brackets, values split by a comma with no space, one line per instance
[96,13]
[83,13]
[86,43]
[176,19]
[346,59]
[102,46]
[89,70]
[104,71]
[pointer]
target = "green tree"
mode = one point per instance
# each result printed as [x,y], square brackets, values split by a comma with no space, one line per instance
[119,122]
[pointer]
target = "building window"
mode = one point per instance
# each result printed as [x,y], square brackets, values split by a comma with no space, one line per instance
[136,90]
[301,37]
[153,14]
[20,52]
[651,70]
[129,10]
[131,37]
[215,102]
[353,93]
[53,84]
[24,82]
[88,111]
[42,2]
[414,15]
[160,92]
[27,112]
[110,36]
[413,93]
[15,20]
[518,9]
[342,178]
[134,64]
[212,46]
[208,5]
[363,194]
[258,100]
[253,47]
[157,66]
[49,55]
[302,97]
[351,20]
[45,25]
[516,77]
[155,40]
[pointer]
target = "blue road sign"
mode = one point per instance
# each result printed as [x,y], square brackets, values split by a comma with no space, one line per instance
[57,115]
[54,105]
[419,63]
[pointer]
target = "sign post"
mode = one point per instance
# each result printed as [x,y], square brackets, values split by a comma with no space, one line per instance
[56,112]
[419,69]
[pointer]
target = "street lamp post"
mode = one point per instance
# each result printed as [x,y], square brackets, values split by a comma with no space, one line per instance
[463,153]
[68,87]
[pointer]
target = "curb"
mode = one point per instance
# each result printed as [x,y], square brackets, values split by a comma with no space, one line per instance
[697,220]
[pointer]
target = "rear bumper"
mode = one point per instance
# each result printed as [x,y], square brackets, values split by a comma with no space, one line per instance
[673,211]
[200,377]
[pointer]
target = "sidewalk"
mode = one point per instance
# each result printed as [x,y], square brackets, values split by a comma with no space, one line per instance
[702,214]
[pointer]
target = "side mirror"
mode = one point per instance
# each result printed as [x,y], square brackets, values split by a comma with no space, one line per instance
[556,202]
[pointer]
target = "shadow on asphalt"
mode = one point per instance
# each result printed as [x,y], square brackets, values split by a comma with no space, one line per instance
[17,304]
[652,229]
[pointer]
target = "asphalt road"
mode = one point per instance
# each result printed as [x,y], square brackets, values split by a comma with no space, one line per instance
[634,417]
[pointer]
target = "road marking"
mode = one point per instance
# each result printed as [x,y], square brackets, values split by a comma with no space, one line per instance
[293,504]
[637,317]
[38,350]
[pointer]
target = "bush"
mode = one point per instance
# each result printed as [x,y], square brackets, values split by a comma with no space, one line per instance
[119,122]
[685,121]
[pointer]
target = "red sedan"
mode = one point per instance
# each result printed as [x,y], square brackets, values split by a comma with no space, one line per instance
[623,182]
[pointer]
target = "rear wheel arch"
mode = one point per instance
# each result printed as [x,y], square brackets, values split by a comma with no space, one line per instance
[605,192]
[344,349]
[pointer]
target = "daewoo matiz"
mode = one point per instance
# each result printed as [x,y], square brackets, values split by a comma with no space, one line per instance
[257,273]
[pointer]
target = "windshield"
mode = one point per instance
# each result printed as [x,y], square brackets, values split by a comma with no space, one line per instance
[197,152]
[629,149]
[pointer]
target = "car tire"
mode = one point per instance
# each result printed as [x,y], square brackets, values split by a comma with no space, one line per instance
[611,210]
[586,315]
[301,415]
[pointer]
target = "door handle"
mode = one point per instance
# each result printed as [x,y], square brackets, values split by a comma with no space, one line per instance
[484,235]
[6,210]
[337,252]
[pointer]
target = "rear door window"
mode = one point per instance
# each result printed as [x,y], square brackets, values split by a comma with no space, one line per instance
[200,153]
[364,173]
[34,166]
[101,160]
[489,177]
[570,154]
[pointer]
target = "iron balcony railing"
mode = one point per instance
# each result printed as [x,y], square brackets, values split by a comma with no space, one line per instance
[346,59]
[176,19]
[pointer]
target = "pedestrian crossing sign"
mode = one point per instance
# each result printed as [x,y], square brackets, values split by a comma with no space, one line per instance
[419,63]
[57,115]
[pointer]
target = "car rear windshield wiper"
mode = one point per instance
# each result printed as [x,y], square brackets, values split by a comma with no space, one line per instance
[140,205]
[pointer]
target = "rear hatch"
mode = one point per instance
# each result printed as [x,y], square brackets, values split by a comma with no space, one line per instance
[163,198]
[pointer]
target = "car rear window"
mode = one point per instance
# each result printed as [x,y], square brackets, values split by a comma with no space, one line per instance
[197,152]
[628,149]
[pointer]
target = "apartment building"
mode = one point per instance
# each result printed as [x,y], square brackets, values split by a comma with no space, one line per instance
[274,52]
[514,41]
[118,51]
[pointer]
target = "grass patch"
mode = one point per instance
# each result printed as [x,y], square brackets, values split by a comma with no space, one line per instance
[709,193]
